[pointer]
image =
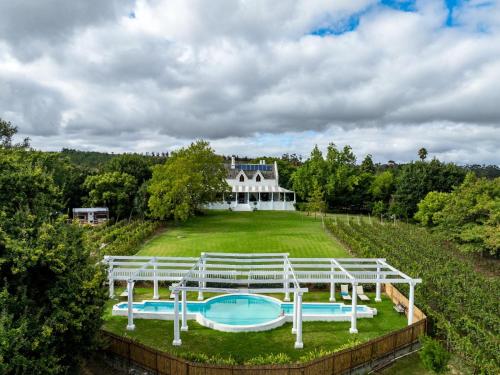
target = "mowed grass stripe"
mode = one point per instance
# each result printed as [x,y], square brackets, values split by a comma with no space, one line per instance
[246,232]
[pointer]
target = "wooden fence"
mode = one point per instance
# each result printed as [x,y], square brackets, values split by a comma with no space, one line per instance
[342,362]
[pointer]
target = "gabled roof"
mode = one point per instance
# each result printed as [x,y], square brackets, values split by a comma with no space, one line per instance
[267,170]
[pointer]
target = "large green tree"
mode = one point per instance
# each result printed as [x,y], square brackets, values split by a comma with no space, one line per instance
[190,178]
[469,215]
[135,165]
[417,179]
[313,171]
[114,190]
[51,293]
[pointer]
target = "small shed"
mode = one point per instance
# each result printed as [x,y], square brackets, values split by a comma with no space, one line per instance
[91,215]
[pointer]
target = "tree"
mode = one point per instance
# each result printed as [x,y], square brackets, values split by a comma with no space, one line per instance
[471,215]
[191,177]
[51,293]
[367,165]
[114,190]
[316,202]
[419,178]
[134,165]
[313,170]
[422,154]
[433,203]
[7,132]
[51,296]
[342,175]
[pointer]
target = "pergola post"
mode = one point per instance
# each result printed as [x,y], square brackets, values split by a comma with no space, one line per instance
[184,326]
[177,335]
[332,284]
[286,284]
[294,313]
[130,301]
[111,282]
[411,302]
[156,295]
[354,306]
[201,284]
[378,285]
[298,338]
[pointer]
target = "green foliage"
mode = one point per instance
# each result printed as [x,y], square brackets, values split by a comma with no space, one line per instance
[461,303]
[114,190]
[311,172]
[52,300]
[469,215]
[137,166]
[379,208]
[204,358]
[382,186]
[428,207]
[7,132]
[342,175]
[316,202]
[318,353]
[25,188]
[417,179]
[122,238]
[190,178]
[434,357]
[269,359]
[422,153]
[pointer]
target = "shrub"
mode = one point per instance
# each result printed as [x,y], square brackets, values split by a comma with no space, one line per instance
[269,359]
[434,357]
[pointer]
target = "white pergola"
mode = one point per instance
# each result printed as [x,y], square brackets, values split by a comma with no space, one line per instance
[253,273]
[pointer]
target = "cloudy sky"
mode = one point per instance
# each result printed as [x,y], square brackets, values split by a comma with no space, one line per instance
[255,76]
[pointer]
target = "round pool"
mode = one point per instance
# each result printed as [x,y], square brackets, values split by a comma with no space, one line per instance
[242,310]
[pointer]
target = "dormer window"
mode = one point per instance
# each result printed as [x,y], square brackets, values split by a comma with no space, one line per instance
[242,178]
[257,178]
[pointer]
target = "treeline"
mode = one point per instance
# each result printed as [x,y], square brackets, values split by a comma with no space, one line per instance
[367,187]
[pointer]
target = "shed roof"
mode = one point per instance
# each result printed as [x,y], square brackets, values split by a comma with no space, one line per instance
[90,209]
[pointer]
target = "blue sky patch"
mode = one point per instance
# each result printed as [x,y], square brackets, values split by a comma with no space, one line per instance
[402,5]
[338,28]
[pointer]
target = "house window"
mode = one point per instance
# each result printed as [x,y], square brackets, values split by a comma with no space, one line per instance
[257,178]
[242,178]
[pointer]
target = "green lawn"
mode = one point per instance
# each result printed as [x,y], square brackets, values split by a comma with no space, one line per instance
[246,345]
[245,232]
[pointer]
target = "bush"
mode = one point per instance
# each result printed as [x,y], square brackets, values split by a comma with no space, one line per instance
[269,359]
[434,357]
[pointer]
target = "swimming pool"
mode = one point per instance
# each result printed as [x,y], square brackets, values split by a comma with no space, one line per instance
[243,312]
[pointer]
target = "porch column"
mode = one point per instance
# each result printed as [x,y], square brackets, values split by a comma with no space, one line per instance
[272,200]
[184,326]
[411,302]
[286,284]
[284,200]
[201,284]
[177,335]
[294,198]
[298,338]
[354,306]
[130,301]
[156,295]
[378,285]
[332,284]
[294,313]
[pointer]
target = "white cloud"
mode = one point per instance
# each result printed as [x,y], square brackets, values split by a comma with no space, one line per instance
[248,73]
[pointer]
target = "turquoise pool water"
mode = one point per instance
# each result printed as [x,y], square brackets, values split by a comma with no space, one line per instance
[235,309]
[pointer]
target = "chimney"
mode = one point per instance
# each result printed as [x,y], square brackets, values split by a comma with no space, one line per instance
[233,162]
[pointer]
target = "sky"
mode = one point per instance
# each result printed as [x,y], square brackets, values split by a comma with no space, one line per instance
[255,77]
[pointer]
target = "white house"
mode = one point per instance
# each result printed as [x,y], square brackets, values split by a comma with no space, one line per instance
[254,187]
